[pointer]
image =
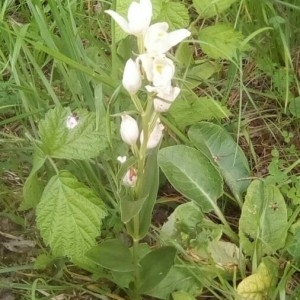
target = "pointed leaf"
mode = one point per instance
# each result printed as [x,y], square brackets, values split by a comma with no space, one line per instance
[113,255]
[263,219]
[192,174]
[69,216]
[220,41]
[83,141]
[129,209]
[210,8]
[225,152]
[155,267]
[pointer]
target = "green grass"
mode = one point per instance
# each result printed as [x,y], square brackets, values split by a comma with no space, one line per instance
[65,54]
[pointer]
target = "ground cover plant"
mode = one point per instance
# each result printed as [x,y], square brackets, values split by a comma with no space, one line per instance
[149,149]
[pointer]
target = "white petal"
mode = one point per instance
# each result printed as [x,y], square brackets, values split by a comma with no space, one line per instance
[139,17]
[155,136]
[122,159]
[119,20]
[147,64]
[132,79]
[130,177]
[175,37]
[161,105]
[129,130]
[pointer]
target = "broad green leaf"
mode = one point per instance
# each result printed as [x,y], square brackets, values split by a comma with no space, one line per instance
[181,295]
[210,8]
[192,109]
[69,216]
[263,222]
[82,142]
[220,41]
[112,255]
[258,285]
[130,208]
[155,267]
[192,174]
[175,14]
[225,152]
[178,278]
[32,189]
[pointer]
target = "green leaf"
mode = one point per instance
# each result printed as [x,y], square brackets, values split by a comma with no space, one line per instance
[263,222]
[129,209]
[113,255]
[192,174]
[175,14]
[180,295]
[148,196]
[226,154]
[69,216]
[192,109]
[294,107]
[178,278]
[155,267]
[210,8]
[82,142]
[32,189]
[220,41]
[258,285]
[294,247]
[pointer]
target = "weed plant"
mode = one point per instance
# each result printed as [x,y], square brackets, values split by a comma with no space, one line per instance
[149,149]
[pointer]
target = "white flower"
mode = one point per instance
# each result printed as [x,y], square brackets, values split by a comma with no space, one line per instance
[159,69]
[132,79]
[72,121]
[157,40]
[129,130]
[155,136]
[165,98]
[122,159]
[130,177]
[139,17]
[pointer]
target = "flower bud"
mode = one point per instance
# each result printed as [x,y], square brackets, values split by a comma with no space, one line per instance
[165,98]
[132,79]
[129,130]
[130,177]
[155,136]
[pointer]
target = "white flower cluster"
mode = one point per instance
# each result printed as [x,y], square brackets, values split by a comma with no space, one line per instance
[151,64]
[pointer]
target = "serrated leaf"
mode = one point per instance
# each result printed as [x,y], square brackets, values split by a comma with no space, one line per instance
[175,14]
[154,269]
[69,216]
[226,154]
[113,255]
[220,41]
[258,285]
[83,141]
[263,221]
[192,174]
[210,8]
[192,109]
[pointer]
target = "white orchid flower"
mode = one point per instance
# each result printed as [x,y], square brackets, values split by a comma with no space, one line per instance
[157,40]
[132,78]
[138,17]
[129,130]
[155,136]
[159,69]
[164,97]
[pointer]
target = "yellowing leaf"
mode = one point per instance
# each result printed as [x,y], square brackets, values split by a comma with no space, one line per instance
[258,285]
